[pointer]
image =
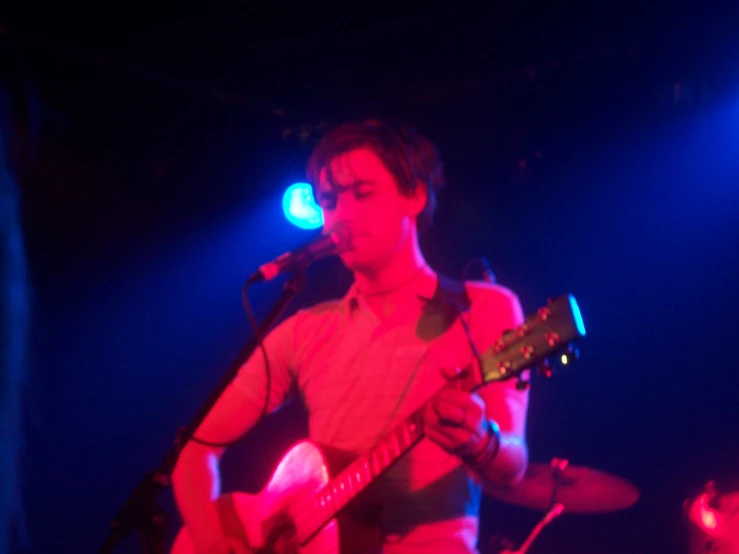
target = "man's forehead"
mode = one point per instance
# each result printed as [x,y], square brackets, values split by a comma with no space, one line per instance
[347,168]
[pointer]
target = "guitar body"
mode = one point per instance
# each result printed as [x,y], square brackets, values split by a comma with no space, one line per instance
[263,522]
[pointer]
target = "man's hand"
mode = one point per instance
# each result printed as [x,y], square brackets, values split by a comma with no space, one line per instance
[455,420]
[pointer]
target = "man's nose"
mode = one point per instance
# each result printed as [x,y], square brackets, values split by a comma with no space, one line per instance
[346,208]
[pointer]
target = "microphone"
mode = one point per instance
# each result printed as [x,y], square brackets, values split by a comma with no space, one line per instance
[331,243]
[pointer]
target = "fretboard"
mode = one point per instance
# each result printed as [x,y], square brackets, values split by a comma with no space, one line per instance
[359,474]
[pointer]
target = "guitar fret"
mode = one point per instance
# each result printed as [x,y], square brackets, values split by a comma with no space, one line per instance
[334,499]
[327,507]
[375,462]
[358,478]
[363,471]
[415,424]
[395,444]
[406,436]
[339,493]
[324,503]
[385,456]
[388,447]
[318,514]
[349,486]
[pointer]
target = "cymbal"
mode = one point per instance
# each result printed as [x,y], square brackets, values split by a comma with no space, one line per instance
[581,490]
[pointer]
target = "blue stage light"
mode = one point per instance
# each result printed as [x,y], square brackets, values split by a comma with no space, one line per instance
[300,207]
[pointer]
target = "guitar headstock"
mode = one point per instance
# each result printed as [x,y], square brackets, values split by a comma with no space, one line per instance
[552,330]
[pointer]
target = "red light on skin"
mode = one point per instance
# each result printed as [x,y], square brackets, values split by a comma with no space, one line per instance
[705,517]
[709,522]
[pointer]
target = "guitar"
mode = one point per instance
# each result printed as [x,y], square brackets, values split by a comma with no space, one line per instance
[302,507]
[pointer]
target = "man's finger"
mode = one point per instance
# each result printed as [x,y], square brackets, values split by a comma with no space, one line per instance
[454,416]
[455,396]
[452,439]
[450,412]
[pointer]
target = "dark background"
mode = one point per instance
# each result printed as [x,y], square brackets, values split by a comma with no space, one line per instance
[591,148]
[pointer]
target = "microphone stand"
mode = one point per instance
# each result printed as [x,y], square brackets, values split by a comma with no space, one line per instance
[553,512]
[141,512]
[558,466]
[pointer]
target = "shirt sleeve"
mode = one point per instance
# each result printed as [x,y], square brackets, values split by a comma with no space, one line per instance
[276,358]
[495,309]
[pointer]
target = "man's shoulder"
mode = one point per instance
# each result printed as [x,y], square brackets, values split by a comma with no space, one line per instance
[486,292]
[495,305]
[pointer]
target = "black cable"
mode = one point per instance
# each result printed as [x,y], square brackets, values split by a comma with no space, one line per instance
[260,341]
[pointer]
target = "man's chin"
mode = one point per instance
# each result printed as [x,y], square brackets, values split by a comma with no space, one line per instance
[355,262]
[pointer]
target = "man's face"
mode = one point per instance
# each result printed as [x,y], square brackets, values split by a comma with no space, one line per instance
[364,196]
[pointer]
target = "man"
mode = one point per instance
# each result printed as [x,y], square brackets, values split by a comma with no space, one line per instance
[363,363]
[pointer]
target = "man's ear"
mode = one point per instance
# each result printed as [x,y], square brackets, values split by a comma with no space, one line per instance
[418,198]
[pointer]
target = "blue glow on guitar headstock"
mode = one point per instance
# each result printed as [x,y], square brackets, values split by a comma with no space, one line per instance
[579,323]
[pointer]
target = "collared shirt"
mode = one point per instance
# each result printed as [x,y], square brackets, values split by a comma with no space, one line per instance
[359,377]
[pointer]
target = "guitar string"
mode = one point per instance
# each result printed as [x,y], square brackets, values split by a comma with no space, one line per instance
[306,509]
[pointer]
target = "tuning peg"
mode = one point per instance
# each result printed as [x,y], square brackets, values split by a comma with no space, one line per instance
[527,351]
[559,464]
[545,369]
[504,368]
[523,384]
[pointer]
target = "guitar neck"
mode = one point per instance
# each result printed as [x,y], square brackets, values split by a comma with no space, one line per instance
[356,477]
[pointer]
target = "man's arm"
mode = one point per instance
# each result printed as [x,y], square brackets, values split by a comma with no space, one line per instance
[505,405]
[462,422]
[506,463]
[196,477]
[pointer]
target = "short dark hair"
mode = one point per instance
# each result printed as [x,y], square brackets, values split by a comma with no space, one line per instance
[409,156]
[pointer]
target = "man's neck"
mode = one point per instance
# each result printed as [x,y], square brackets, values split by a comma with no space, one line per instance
[405,263]
[385,288]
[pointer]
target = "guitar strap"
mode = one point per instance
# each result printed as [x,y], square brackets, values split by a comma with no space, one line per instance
[440,311]
[450,301]
[452,292]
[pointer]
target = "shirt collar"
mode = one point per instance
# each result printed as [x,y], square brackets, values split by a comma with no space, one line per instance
[423,287]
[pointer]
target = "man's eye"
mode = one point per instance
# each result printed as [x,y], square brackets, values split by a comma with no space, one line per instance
[327,202]
[362,193]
